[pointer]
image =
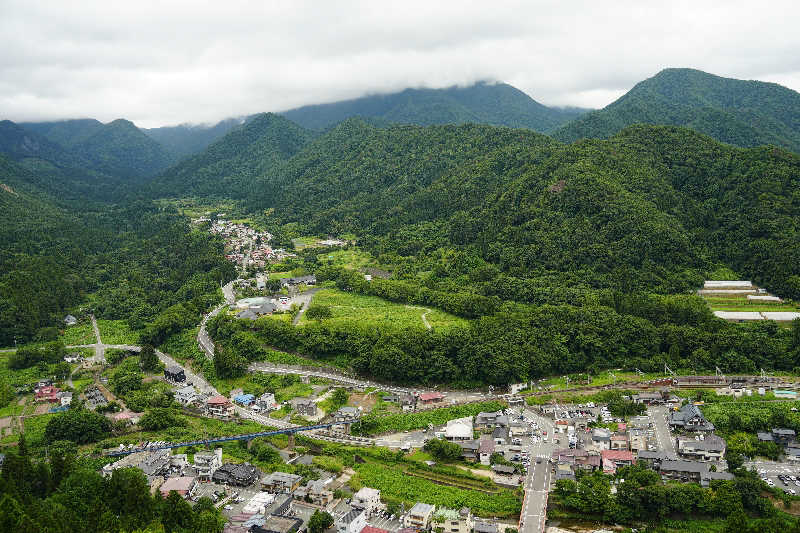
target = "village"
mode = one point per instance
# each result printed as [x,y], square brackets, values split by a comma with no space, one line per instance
[512,447]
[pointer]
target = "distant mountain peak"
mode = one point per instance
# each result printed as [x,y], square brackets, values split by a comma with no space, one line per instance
[740,112]
[484,102]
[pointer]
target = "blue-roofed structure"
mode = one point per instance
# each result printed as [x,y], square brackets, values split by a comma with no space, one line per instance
[244,399]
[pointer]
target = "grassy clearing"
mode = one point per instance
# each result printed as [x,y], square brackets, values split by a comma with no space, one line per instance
[349,308]
[603,378]
[352,258]
[79,334]
[304,242]
[34,429]
[407,421]
[116,332]
[279,275]
[738,302]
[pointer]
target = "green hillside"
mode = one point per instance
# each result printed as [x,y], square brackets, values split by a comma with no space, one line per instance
[18,143]
[229,166]
[122,149]
[130,262]
[738,112]
[483,103]
[653,208]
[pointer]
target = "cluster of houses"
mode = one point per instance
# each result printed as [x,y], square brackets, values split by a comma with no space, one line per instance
[363,504]
[245,246]
[45,391]
[167,472]
[697,446]
[785,438]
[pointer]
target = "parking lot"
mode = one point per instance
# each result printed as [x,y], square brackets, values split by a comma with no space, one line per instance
[381,520]
[784,476]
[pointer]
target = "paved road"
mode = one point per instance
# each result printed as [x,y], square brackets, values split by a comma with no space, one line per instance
[663,436]
[303,300]
[198,381]
[203,338]
[537,483]
[273,368]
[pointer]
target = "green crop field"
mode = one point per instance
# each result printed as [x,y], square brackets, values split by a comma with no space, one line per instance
[352,258]
[348,308]
[116,332]
[79,334]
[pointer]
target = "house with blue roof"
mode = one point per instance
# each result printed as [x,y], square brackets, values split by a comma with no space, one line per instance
[244,399]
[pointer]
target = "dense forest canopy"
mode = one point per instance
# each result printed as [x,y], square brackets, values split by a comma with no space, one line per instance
[130,261]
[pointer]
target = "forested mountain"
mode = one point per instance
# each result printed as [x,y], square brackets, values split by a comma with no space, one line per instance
[187,139]
[654,208]
[121,149]
[133,261]
[738,112]
[117,150]
[483,103]
[229,166]
[18,143]
[66,133]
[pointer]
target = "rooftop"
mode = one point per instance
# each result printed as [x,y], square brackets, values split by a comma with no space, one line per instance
[422,508]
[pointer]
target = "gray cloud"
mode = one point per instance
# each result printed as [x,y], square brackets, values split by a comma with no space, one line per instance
[202,61]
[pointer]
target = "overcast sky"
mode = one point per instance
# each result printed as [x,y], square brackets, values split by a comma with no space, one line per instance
[167,62]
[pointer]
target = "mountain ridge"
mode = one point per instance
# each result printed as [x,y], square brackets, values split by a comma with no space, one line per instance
[497,104]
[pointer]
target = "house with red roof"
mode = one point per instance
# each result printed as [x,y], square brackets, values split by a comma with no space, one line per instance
[613,459]
[48,394]
[370,529]
[428,398]
[219,406]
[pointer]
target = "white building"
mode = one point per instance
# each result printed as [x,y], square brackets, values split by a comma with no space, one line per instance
[419,517]
[207,463]
[186,395]
[352,522]
[459,429]
[368,499]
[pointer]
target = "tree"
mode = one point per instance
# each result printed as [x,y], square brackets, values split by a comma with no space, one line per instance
[78,425]
[319,522]
[160,418]
[318,312]
[443,450]
[339,398]
[148,359]
[176,514]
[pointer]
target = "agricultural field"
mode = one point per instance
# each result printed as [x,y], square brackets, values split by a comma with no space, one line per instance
[285,387]
[81,333]
[347,308]
[304,242]
[394,423]
[352,258]
[408,483]
[116,332]
[718,303]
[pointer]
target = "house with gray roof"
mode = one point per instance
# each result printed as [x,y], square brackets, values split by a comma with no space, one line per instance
[684,470]
[690,418]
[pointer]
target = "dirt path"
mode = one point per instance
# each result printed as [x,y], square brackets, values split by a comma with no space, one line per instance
[424,315]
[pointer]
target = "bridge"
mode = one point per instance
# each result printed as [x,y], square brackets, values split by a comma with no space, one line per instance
[248,436]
